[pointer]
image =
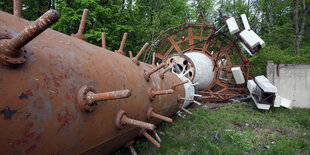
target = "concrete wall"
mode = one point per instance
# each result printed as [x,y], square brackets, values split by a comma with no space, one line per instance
[293,82]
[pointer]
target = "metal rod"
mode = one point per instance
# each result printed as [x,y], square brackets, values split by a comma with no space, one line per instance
[156,136]
[185,110]
[130,54]
[136,58]
[103,40]
[121,48]
[153,59]
[150,138]
[179,84]
[92,97]
[11,46]
[147,74]
[126,120]
[162,92]
[17,8]
[129,145]
[162,74]
[161,117]
[83,23]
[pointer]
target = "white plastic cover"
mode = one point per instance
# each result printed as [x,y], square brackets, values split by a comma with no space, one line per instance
[232,25]
[251,86]
[237,73]
[250,38]
[245,22]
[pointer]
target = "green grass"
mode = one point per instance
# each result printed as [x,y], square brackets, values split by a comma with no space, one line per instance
[243,129]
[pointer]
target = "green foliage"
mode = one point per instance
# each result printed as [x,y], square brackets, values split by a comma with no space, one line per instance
[243,129]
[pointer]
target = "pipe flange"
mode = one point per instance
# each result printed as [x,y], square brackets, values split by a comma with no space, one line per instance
[82,98]
[119,116]
[149,113]
[9,60]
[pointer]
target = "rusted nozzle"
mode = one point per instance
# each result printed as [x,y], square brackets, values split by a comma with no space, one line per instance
[130,54]
[162,73]
[151,113]
[103,40]
[17,8]
[152,93]
[186,99]
[185,110]
[80,33]
[147,74]
[122,120]
[149,137]
[10,52]
[88,97]
[136,58]
[179,84]
[121,48]
[129,145]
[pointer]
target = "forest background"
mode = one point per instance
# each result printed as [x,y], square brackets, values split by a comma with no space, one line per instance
[283,24]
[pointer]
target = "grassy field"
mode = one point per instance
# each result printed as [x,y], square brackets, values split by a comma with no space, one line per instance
[242,129]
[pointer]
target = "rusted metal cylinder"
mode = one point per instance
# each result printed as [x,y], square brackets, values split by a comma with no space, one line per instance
[149,137]
[136,58]
[39,100]
[83,23]
[148,73]
[11,47]
[17,8]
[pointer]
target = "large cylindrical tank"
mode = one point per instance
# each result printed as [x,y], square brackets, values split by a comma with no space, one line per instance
[39,106]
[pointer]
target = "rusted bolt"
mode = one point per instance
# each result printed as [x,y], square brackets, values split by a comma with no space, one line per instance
[151,113]
[129,145]
[179,84]
[152,93]
[103,40]
[147,74]
[121,48]
[10,53]
[136,58]
[149,137]
[185,110]
[122,120]
[156,136]
[80,33]
[88,97]
[17,8]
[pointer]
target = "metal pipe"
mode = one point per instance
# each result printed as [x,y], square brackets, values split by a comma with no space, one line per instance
[147,74]
[162,74]
[156,136]
[153,93]
[153,59]
[121,48]
[185,110]
[11,47]
[179,84]
[136,58]
[126,120]
[103,42]
[83,23]
[129,145]
[92,97]
[17,8]
[161,117]
[149,137]
[130,54]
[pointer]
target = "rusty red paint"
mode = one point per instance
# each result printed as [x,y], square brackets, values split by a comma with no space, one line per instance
[29,92]
[31,148]
[64,120]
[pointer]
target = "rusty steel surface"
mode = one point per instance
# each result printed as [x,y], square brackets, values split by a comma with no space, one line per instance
[40,111]
[10,49]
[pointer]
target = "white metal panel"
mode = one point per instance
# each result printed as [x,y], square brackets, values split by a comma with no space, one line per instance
[250,38]
[251,86]
[237,73]
[232,25]
[245,22]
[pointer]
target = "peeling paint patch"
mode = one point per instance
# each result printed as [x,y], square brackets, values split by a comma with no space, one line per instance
[64,120]
[31,148]
[23,96]
[8,113]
